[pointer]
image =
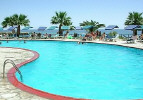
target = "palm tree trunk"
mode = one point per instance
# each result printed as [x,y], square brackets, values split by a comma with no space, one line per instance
[134,32]
[18,30]
[60,30]
[92,29]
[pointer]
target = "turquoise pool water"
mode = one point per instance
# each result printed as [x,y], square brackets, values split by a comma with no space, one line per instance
[91,71]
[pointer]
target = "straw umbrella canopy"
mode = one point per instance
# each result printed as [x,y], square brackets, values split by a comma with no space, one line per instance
[111,27]
[133,28]
[87,27]
[26,31]
[12,29]
[27,28]
[65,28]
[41,28]
[1,28]
[91,26]
[78,28]
[140,28]
[52,27]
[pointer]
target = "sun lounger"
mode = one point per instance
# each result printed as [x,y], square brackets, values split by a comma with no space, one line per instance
[83,39]
[58,37]
[140,39]
[132,39]
[0,36]
[108,38]
[75,36]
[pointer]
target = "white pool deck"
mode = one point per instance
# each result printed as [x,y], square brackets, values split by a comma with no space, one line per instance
[9,92]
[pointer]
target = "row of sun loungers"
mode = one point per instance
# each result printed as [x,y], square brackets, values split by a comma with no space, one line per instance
[56,36]
[132,39]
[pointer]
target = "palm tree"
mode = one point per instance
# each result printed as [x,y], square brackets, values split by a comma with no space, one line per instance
[61,19]
[18,20]
[95,25]
[72,27]
[8,21]
[134,18]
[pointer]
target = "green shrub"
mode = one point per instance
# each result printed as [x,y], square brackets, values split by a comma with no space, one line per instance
[120,37]
[113,34]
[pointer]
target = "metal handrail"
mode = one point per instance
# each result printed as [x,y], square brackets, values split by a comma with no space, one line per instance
[12,62]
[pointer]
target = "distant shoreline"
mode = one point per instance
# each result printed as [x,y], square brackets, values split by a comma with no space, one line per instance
[119,31]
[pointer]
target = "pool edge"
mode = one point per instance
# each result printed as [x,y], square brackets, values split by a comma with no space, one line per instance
[14,81]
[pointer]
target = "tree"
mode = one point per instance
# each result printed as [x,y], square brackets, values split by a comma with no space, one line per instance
[95,25]
[61,19]
[16,20]
[134,18]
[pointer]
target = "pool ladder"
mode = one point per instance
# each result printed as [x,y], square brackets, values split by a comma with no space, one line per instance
[12,62]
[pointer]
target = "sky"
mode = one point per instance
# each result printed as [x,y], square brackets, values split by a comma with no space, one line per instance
[39,12]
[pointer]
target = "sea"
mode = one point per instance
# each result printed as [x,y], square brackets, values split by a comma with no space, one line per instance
[82,32]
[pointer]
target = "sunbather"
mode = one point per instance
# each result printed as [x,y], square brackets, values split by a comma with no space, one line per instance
[75,35]
[49,35]
[46,36]
[102,36]
[66,35]
[93,35]
[141,37]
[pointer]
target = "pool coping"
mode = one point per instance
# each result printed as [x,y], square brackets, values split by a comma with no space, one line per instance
[73,40]
[14,81]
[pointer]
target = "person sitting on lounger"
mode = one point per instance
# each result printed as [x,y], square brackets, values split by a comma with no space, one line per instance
[46,36]
[75,35]
[102,36]
[141,37]
[66,35]
[86,37]
[49,35]
[93,35]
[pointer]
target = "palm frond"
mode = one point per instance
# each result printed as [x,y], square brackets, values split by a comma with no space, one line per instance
[95,25]
[61,18]
[134,18]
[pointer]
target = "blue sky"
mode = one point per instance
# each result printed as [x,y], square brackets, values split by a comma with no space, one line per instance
[108,12]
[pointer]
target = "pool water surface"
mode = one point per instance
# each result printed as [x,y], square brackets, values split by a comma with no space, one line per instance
[90,71]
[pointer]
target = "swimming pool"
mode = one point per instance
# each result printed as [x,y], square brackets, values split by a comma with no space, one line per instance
[90,71]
